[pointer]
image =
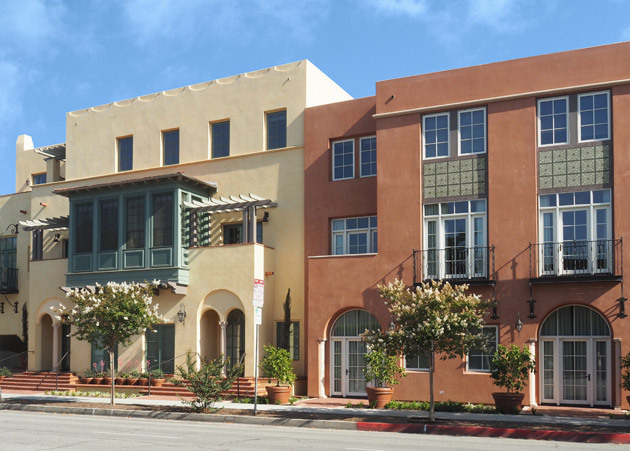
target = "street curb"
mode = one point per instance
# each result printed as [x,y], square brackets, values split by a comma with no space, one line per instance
[563,436]
[201,417]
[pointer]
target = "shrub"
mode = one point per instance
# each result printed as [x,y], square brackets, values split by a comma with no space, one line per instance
[276,364]
[206,383]
[157,374]
[625,374]
[5,372]
[381,368]
[510,367]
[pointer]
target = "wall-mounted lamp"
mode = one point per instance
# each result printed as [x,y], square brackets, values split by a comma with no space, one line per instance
[519,323]
[56,238]
[14,228]
[265,217]
[181,315]
[12,304]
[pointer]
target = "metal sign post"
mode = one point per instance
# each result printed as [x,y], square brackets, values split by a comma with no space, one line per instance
[258,301]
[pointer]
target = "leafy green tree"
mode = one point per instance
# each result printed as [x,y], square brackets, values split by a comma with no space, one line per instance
[511,366]
[435,319]
[110,316]
[381,368]
[206,383]
[276,364]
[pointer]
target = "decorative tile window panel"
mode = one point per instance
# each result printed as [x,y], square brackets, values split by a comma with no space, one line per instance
[455,178]
[579,166]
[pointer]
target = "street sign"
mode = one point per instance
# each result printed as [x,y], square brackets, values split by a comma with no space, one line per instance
[257,315]
[259,293]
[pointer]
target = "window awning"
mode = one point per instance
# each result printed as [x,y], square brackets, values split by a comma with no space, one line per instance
[233,203]
[174,287]
[56,223]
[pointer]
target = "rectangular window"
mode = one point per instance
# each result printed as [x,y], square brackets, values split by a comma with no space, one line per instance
[233,233]
[83,227]
[455,240]
[38,245]
[480,360]
[368,156]
[420,362]
[221,139]
[594,116]
[162,219]
[472,131]
[125,154]
[435,132]
[109,224]
[277,130]
[160,340]
[293,345]
[354,235]
[343,159]
[65,242]
[575,233]
[170,142]
[135,222]
[39,179]
[8,250]
[553,120]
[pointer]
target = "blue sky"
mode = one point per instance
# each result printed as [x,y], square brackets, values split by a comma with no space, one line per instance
[59,56]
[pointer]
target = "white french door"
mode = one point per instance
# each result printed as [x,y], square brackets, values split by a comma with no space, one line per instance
[347,363]
[575,371]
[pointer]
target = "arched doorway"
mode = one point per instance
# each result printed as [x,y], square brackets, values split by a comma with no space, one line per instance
[575,357]
[347,352]
[210,335]
[46,346]
[235,346]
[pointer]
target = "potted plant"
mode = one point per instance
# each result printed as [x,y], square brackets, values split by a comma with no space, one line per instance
[510,369]
[381,371]
[132,378]
[276,364]
[87,377]
[157,377]
[4,372]
[143,379]
[120,378]
[625,374]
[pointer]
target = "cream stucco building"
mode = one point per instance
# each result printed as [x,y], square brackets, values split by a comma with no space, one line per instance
[201,187]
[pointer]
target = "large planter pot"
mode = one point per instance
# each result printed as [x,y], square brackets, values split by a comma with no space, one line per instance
[107,380]
[120,381]
[510,403]
[85,380]
[97,380]
[143,381]
[158,382]
[278,395]
[379,396]
[131,381]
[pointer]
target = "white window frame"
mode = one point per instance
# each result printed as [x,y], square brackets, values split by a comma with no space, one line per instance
[448,135]
[370,232]
[440,219]
[408,368]
[341,141]
[591,230]
[485,131]
[579,116]
[568,117]
[361,155]
[496,345]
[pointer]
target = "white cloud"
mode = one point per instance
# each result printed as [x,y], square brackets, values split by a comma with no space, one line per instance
[411,8]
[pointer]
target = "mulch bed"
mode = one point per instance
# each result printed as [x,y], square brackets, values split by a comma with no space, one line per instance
[623,427]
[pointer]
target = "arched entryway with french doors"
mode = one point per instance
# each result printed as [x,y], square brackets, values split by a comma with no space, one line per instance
[575,357]
[347,352]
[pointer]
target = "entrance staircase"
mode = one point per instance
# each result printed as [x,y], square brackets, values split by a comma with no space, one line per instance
[39,381]
[243,387]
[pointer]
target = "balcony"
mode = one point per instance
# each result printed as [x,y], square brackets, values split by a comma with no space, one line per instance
[471,265]
[8,280]
[576,261]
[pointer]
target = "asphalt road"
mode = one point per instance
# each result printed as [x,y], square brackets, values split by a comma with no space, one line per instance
[41,431]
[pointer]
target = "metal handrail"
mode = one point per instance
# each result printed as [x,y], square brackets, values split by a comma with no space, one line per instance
[454,263]
[14,356]
[56,369]
[575,258]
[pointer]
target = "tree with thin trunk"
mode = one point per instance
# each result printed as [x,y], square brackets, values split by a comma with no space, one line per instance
[286,328]
[110,316]
[434,319]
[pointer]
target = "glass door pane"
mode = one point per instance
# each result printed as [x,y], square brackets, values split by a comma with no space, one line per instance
[455,248]
[574,244]
[337,360]
[548,371]
[356,363]
[574,371]
[601,371]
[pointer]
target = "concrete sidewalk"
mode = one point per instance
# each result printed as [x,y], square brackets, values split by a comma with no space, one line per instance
[604,426]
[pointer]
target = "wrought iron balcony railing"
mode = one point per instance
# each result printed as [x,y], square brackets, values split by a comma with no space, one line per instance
[598,259]
[458,264]
[8,280]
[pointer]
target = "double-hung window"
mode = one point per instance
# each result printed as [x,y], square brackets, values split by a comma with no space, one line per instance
[472,131]
[221,139]
[109,225]
[419,362]
[125,154]
[171,147]
[83,227]
[343,159]
[162,219]
[553,121]
[575,233]
[455,240]
[39,179]
[8,251]
[368,156]
[481,359]
[354,235]
[594,116]
[135,222]
[277,130]
[435,131]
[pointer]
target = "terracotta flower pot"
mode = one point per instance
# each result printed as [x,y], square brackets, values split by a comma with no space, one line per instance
[85,380]
[97,380]
[510,403]
[107,380]
[131,381]
[143,381]
[278,395]
[120,381]
[158,382]
[379,396]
